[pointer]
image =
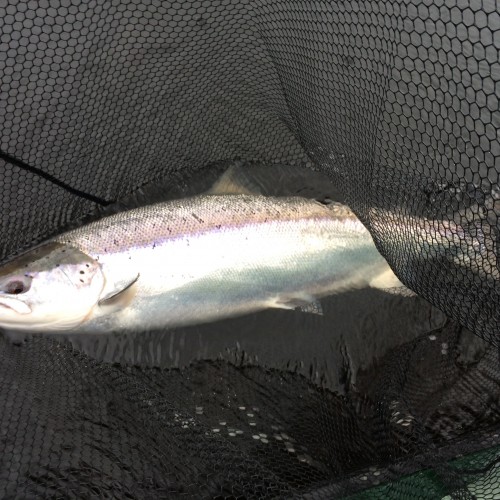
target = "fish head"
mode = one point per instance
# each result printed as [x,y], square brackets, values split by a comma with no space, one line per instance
[53,287]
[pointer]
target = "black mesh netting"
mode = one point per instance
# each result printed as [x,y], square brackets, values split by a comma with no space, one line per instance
[76,428]
[397,102]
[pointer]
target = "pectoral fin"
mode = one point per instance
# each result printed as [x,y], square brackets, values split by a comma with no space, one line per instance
[305,303]
[120,294]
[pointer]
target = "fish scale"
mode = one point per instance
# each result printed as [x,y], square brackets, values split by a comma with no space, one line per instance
[205,258]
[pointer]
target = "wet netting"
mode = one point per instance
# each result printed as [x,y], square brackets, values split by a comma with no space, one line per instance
[396,104]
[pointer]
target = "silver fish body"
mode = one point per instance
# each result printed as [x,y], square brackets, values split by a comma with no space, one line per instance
[190,261]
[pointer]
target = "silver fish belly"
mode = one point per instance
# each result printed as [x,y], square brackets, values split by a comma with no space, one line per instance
[211,257]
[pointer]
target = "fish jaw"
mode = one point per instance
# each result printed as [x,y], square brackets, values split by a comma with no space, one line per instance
[15,305]
[64,287]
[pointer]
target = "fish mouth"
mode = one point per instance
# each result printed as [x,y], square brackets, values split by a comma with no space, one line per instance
[14,305]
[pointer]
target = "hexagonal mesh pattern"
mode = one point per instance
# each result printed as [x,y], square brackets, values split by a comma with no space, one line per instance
[77,428]
[397,101]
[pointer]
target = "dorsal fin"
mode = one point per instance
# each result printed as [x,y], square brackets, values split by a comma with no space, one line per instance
[235,181]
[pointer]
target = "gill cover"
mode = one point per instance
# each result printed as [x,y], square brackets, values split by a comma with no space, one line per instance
[50,288]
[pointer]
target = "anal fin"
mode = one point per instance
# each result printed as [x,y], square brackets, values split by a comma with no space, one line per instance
[388,282]
[386,279]
[305,303]
[312,308]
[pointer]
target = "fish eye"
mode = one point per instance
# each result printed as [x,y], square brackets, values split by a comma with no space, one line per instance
[17,286]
